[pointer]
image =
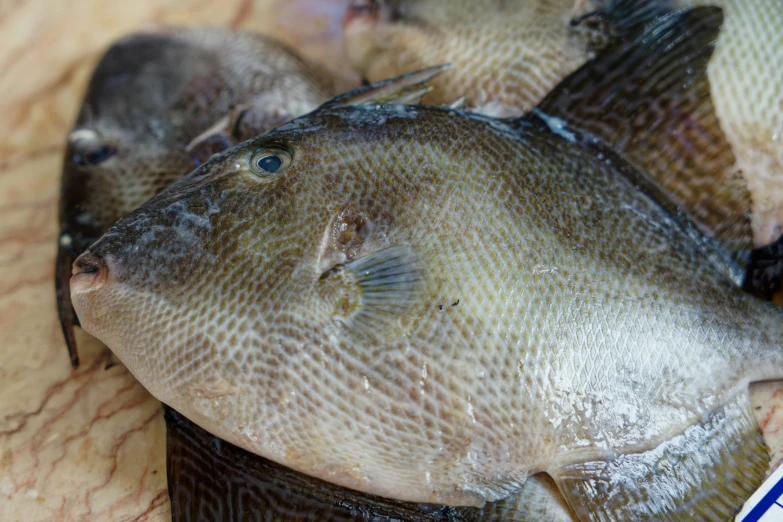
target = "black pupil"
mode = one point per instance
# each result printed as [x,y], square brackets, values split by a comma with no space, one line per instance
[94,155]
[269,163]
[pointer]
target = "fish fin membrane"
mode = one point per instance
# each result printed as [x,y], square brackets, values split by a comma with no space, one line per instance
[706,473]
[648,98]
[62,287]
[386,284]
[211,479]
[406,89]
[764,274]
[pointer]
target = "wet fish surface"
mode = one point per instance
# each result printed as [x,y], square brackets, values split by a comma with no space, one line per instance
[158,104]
[746,76]
[429,305]
[177,81]
[507,54]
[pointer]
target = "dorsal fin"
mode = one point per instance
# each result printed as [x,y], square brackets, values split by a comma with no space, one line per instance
[622,18]
[648,97]
[406,89]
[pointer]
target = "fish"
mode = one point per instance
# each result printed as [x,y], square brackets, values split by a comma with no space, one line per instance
[507,54]
[207,476]
[511,54]
[746,76]
[431,305]
[159,103]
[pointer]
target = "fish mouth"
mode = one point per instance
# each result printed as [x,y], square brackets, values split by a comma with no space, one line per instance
[89,273]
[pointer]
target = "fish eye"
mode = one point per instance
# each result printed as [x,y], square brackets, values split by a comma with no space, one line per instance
[269,160]
[89,149]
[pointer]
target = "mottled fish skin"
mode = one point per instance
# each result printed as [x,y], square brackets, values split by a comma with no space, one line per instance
[510,54]
[507,54]
[151,95]
[429,305]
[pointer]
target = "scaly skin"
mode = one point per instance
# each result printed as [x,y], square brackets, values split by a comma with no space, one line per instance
[151,95]
[571,291]
[509,55]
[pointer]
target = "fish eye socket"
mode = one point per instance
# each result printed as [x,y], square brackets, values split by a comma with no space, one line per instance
[269,160]
[89,149]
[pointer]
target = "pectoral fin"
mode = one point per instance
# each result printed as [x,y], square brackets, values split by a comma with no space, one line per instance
[705,473]
[373,293]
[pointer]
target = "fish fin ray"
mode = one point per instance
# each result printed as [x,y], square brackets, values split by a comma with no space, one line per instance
[383,286]
[68,317]
[705,473]
[648,98]
[406,89]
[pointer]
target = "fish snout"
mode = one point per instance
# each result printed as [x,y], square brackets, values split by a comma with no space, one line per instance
[89,273]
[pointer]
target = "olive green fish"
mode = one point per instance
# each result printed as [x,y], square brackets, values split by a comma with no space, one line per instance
[158,104]
[432,305]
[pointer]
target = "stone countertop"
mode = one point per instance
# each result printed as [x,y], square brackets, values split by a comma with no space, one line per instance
[89,445]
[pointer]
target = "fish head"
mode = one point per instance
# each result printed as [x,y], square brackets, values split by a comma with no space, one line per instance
[244,250]
[250,294]
[107,172]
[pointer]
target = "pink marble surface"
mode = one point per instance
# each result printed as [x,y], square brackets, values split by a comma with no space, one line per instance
[88,445]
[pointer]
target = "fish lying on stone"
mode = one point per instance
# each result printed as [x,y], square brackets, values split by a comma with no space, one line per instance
[510,54]
[431,305]
[158,104]
[212,94]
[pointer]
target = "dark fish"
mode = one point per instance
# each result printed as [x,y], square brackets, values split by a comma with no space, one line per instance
[158,104]
[431,305]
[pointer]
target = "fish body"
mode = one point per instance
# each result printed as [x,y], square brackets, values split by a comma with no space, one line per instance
[510,54]
[158,104]
[432,305]
[746,75]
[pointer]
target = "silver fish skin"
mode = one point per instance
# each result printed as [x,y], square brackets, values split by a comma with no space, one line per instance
[430,305]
